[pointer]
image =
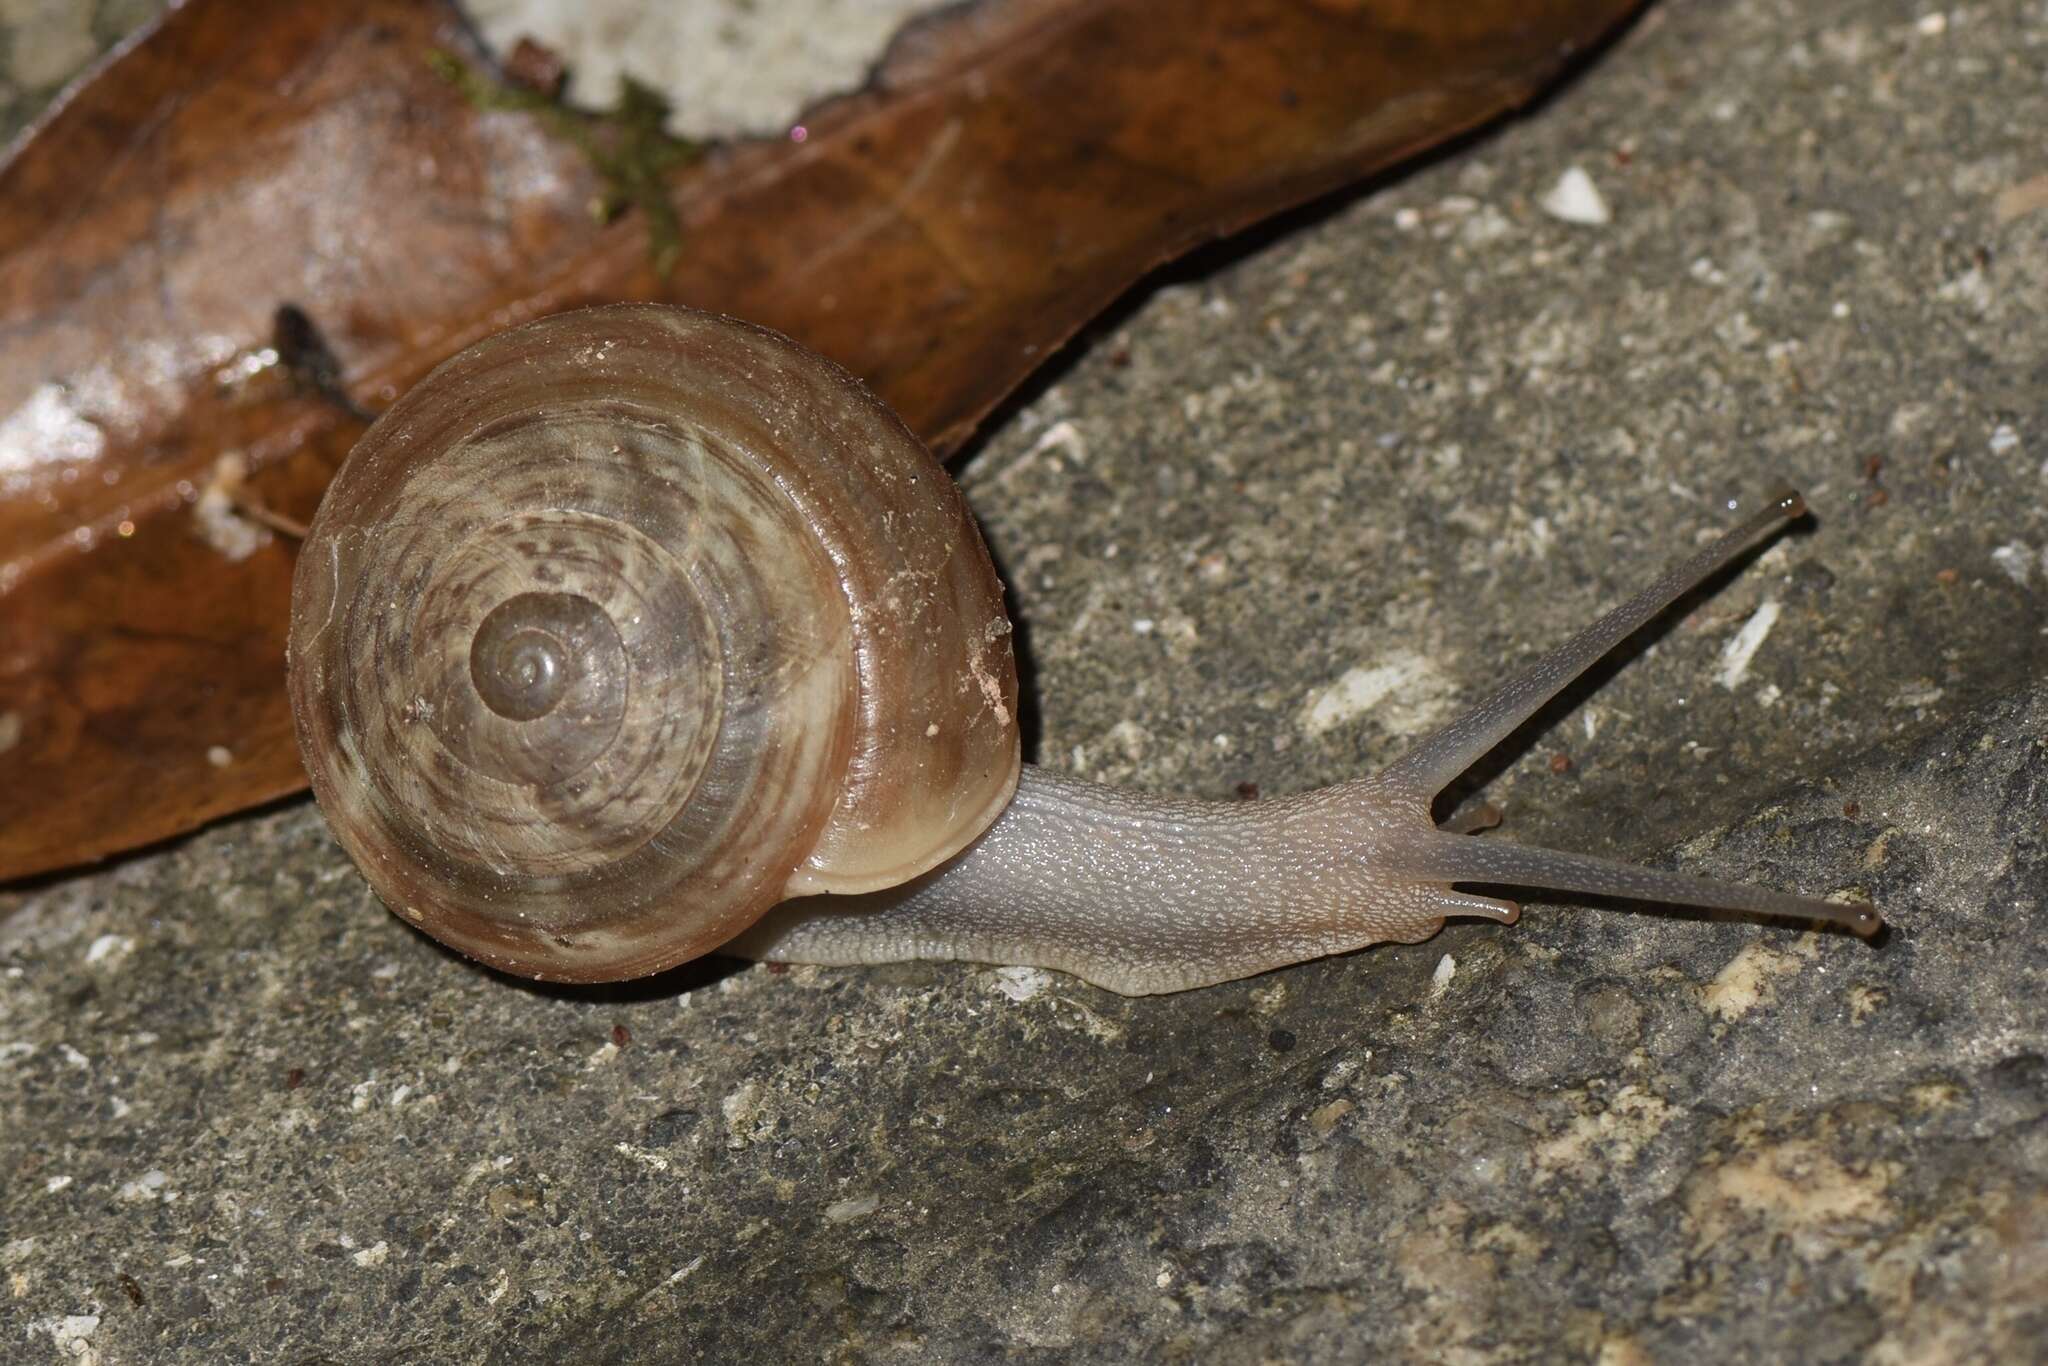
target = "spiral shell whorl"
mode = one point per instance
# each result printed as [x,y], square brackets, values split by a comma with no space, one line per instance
[625,624]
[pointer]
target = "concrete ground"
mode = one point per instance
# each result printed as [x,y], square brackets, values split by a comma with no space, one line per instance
[1286,506]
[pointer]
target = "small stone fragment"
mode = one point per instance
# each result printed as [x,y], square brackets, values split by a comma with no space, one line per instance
[1576,199]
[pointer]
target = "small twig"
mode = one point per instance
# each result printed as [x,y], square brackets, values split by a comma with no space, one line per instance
[228,490]
[249,505]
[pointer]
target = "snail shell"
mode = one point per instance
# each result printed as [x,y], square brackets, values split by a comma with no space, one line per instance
[627,624]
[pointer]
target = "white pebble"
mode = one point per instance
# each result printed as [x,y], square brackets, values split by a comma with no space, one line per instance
[1021,984]
[1408,685]
[148,1186]
[1738,652]
[109,948]
[1576,199]
[859,1207]
[2017,560]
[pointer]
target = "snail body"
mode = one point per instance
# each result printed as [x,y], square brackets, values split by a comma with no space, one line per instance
[636,632]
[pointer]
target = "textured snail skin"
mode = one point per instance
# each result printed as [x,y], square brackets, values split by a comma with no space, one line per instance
[635,632]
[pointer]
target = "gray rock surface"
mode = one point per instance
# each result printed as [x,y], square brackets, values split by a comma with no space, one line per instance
[1286,506]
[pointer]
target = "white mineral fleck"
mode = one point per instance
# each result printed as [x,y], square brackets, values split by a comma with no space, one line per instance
[1576,199]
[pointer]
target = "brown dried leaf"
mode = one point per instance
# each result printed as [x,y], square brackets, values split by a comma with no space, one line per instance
[1009,171]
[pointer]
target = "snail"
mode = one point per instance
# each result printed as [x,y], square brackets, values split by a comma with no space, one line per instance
[635,632]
